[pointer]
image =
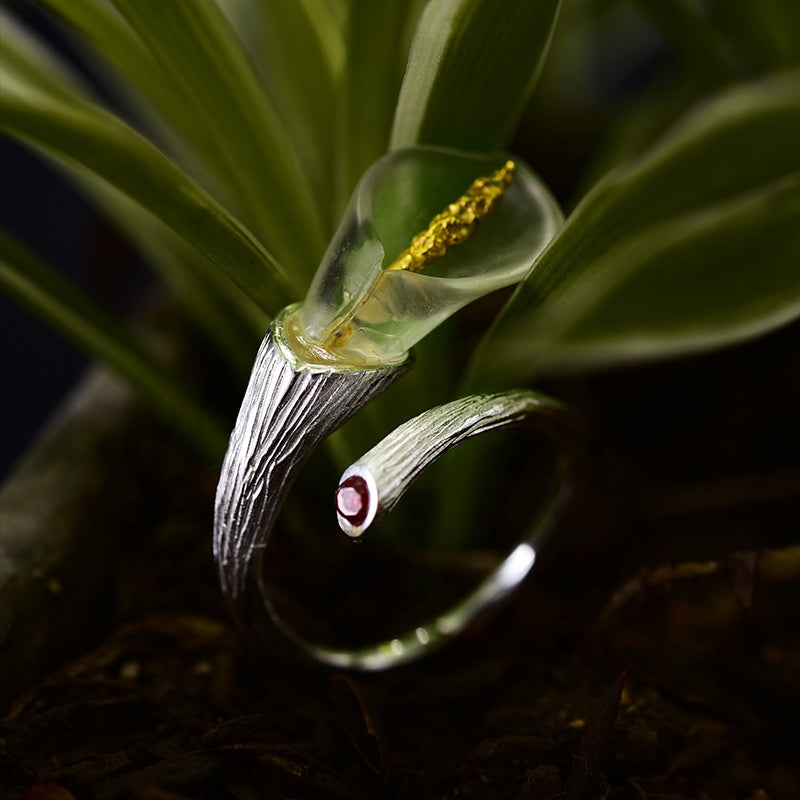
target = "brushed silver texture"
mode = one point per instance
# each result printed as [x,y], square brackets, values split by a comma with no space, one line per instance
[287,410]
[390,467]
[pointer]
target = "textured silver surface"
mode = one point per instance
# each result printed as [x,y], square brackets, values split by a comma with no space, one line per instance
[288,409]
[398,460]
[286,412]
[401,457]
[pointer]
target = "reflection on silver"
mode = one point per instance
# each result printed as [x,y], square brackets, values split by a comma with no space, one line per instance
[287,411]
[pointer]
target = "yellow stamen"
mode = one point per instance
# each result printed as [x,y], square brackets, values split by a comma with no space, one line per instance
[450,227]
[457,222]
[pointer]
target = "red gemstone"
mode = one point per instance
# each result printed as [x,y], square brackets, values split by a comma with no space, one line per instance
[352,500]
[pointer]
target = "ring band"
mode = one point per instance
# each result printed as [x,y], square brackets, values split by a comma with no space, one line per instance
[288,409]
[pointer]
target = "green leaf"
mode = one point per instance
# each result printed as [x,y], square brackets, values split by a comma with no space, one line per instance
[377,40]
[230,321]
[763,35]
[292,61]
[472,66]
[727,273]
[125,66]
[208,73]
[697,281]
[83,135]
[25,57]
[210,297]
[328,18]
[694,245]
[74,314]
[100,25]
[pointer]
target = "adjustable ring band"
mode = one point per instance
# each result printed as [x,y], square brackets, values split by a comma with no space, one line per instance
[287,411]
[381,477]
[372,487]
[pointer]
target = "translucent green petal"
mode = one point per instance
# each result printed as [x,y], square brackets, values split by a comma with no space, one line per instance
[357,311]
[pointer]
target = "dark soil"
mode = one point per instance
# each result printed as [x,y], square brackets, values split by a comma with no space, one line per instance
[654,653]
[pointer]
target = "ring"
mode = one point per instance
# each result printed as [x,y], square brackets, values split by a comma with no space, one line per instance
[372,486]
[324,359]
[288,409]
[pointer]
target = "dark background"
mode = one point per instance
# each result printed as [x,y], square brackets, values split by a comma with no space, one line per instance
[41,209]
[39,366]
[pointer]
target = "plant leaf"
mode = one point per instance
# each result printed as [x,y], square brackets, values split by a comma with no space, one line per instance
[230,321]
[25,57]
[741,260]
[328,18]
[377,40]
[291,60]
[75,315]
[763,35]
[209,296]
[694,245]
[79,133]
[700,280]
[472,66]
[127,68]
[209,74]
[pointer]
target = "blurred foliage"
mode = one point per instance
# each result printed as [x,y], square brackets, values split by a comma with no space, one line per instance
[668,130]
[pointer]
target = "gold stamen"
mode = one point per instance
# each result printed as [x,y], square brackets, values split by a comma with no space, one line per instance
[457,222]
[450,227]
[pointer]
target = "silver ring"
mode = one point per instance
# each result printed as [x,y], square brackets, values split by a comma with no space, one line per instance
[288,409]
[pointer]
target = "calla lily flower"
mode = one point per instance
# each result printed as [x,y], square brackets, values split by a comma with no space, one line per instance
[364,308]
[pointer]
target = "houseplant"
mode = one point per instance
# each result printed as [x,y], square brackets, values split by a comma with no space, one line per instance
[655,259]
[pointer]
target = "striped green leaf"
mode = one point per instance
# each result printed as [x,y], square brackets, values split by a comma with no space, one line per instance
[74,314]
[207,73]
[472,67]
[377,39]
[694,245]
[81,134]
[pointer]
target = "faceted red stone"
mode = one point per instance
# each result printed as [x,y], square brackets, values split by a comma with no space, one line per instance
[352,500]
